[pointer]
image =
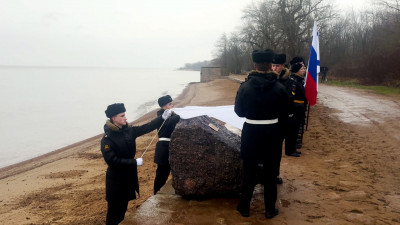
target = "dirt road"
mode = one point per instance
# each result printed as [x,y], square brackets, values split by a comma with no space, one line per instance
[349,171]
[357,107]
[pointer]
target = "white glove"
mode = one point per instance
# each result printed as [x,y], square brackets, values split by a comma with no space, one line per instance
[139,161]
[167,114]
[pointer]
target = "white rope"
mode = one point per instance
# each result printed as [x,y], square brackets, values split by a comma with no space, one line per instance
[152,139]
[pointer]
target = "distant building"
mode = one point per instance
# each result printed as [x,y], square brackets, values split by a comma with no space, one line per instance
[209,73]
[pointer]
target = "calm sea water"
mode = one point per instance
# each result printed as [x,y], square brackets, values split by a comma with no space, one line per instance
[44,109]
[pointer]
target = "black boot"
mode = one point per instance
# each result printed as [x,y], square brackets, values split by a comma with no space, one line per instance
[243,209]
[294,154]
[279,180]
[271,213]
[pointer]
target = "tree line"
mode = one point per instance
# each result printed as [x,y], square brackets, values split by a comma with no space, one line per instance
[196,66]
[361,45]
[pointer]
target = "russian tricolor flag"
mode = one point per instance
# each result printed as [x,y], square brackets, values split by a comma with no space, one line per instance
[311,84]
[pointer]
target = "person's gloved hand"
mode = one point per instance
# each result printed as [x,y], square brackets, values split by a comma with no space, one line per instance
[167,114]
[139,161]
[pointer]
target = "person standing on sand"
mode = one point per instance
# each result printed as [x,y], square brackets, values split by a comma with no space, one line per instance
[278,66]
[324,71]
[118,147]
[295,86]
[264,102]
[161,156]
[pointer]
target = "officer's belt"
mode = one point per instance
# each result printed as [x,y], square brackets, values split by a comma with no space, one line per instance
[298,101]
[262,121]
[164,139]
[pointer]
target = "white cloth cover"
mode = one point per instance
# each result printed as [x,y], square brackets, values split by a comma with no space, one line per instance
[224,113]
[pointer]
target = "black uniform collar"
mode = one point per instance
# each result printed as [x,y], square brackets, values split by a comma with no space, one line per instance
[297,75]
[265,74]
[262,72]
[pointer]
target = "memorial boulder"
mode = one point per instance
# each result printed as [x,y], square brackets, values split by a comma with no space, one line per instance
[204,158]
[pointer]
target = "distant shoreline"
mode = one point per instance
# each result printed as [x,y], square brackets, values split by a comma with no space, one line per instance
[183,69]
[38,88]
[81,67]
[71,149]
[56,154]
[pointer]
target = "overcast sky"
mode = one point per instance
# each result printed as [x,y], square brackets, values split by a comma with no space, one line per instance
[116,33]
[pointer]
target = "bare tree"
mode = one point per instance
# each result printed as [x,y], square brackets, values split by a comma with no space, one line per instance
[221,51]
[296,19]
[359,45]
[365,45]
[390,4]
[259,30]
[283,25]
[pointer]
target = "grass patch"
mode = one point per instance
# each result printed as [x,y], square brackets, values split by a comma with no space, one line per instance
[377,89]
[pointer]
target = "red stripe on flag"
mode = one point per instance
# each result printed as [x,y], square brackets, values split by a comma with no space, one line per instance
[311,90]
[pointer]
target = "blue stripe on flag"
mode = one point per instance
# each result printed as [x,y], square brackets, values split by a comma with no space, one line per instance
[312,64]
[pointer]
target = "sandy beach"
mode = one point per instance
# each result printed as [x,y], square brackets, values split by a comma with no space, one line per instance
[347,174]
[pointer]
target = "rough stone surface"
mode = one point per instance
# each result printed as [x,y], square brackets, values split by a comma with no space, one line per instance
[205,161]
[359,218]
[356,195]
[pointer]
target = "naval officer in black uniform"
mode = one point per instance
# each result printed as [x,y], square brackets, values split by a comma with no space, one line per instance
[264,102]
[298,104]
[118,147]
[161,156]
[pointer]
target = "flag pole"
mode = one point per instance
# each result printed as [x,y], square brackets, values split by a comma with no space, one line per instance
[308,115]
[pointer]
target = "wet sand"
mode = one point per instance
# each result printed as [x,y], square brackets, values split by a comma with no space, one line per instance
[348,173]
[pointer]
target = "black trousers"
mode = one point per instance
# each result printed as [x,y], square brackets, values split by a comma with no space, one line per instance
[250,181]
[116,212]
[162,174]
[299,141]
[291,134]
[278,168]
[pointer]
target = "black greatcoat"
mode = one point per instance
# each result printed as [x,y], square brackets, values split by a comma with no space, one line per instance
[297,111]
[161,155]
[262,97]
[118,147]
[295,86]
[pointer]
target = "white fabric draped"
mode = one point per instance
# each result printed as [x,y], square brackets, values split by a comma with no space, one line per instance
[224,113]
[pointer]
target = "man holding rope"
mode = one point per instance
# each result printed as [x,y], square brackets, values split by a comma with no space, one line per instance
[118,147]
[161,156]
